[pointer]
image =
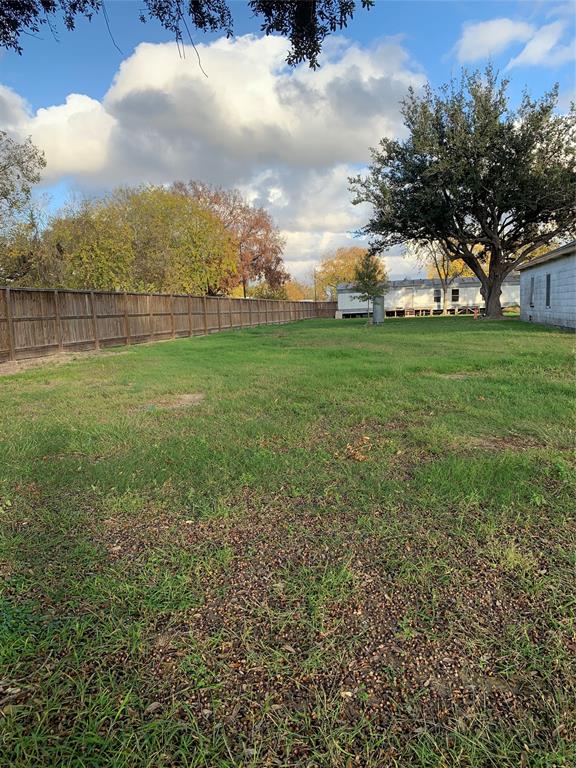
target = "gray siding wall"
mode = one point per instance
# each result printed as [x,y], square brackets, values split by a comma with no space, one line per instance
[562,309]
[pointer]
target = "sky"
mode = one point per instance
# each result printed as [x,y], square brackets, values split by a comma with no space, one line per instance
[125,105]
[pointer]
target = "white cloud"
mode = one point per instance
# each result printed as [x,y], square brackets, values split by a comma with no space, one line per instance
[289,138]
[14,110]
[489,38]
[74,136]
[543,48]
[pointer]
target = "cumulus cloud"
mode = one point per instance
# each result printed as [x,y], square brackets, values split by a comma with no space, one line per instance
[289,138]
[543,48]
[489,38]
[77,132]
[14,111]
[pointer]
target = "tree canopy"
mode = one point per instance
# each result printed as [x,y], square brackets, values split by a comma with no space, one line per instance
[337,267]
[291,289]
[20,167]
[306,23]
[257,240]
[369,277]
[143,239]
[491,184]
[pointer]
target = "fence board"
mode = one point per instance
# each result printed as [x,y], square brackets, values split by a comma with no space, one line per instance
[37,322]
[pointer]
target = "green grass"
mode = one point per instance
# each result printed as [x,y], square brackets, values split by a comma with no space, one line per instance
[357,549]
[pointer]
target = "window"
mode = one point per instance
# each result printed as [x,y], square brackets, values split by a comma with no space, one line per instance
[437,295]
[548,280]
[532,291]
[455,294]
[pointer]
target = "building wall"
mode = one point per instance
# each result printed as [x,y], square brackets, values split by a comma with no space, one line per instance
[422,297]
[562,309]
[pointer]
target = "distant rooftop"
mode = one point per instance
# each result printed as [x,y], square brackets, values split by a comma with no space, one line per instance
[426,282]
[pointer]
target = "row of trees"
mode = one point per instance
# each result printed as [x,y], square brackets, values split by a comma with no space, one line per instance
[189,238]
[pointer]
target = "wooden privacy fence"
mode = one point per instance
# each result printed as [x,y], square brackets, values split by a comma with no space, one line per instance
[36,322]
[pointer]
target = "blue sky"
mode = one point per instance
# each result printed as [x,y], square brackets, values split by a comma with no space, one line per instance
[288,139]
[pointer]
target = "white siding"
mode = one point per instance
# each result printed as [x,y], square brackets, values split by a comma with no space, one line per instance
[422,297]
[348,302]
[562,309]
[402,297]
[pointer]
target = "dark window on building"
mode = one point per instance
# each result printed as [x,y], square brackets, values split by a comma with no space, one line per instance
[437,295]
[548,279]
[532,291]
[455,294]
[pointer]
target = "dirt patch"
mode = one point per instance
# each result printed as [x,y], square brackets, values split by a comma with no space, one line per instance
[504,443]
[11,367]
[401,658]
[457,375]
[175,402]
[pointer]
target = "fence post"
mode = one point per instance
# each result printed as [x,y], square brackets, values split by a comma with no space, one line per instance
[230,312]
[59,338]
[94,321]
[265,311]
[189,305]
[11,342]
[172,323]
[242,312]
[250,312]
[205,314]
[150,317]
[126,320]
[219,318]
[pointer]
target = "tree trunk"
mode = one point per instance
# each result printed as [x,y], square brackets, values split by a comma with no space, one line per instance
[444,300]
[244,286]
[491,293]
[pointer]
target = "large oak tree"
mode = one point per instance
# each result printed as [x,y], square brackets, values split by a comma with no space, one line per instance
[491,184]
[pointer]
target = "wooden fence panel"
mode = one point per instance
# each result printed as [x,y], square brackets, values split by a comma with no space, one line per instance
[198,324]
[226,313]
[236,318]
[36,322]
[161,316]
[109,314]
[181,318]
[5,328]
[75,320]
[212,314]
[138,311]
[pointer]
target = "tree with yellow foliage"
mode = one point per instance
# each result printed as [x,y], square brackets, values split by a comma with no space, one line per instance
[135,239]
[297,291]
[338,267]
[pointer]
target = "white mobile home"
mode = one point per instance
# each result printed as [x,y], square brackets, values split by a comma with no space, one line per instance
[408,298]
[548,288]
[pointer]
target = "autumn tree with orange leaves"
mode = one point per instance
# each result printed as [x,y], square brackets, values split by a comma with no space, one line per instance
[258,241]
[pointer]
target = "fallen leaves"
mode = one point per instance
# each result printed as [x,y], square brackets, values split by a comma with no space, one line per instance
[359,450]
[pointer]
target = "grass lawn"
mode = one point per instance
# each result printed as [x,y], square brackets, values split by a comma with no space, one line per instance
[319,544]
